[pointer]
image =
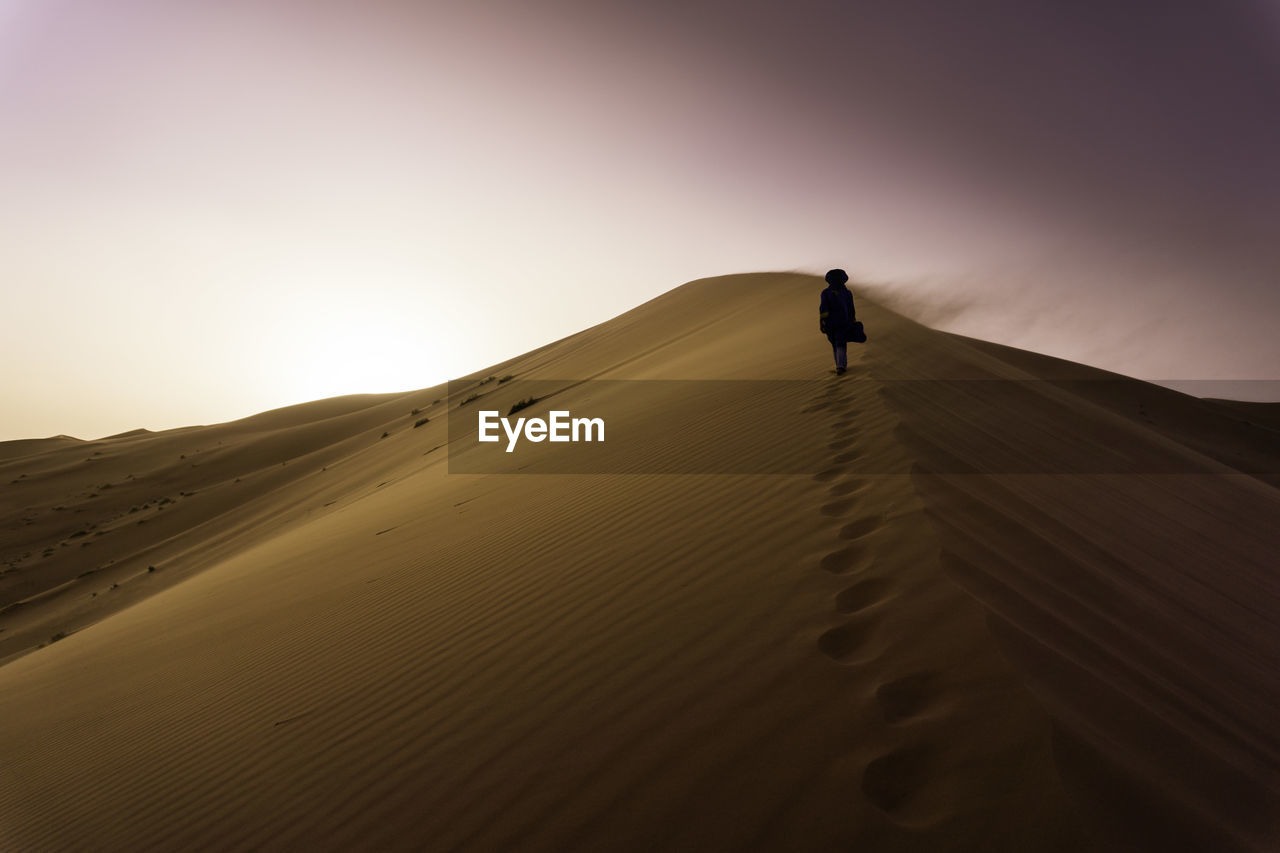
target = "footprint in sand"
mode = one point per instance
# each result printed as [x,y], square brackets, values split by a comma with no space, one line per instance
[840,443]
[829,474]
[843,642]
[906,697]
[862,594]
[860,528]
[840,507]
[890,780]
[848,487]
[848,456]
[845,560]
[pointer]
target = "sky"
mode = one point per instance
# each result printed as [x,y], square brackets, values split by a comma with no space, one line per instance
[213,209]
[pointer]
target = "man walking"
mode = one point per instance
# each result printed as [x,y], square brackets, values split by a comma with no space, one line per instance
[836,317]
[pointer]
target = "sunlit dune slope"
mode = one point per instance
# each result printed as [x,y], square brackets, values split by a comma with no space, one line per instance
[1001,603]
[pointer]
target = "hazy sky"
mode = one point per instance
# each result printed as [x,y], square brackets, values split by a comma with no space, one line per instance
[210,209]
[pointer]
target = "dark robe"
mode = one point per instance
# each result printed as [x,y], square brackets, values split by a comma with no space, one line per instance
[837,304]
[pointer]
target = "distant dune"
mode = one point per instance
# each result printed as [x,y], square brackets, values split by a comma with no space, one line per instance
[1017,604]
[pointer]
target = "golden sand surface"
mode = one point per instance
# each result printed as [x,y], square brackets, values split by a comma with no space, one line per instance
[290,632]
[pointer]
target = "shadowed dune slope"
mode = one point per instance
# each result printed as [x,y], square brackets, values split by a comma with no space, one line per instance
[1006,607]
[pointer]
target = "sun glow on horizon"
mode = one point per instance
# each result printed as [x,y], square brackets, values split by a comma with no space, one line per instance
[329,329]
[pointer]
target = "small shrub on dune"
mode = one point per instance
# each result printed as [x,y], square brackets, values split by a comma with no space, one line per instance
[385,434]
[506,378]
[522,404]
[469,399]
[420,422]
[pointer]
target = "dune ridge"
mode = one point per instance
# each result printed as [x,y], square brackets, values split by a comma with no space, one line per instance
[343,646]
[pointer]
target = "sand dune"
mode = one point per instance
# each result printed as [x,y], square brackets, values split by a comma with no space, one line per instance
[1001,602]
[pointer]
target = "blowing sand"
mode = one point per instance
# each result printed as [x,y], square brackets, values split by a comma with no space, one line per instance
[292,632]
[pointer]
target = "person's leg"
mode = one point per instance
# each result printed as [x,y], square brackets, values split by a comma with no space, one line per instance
[842,356]
[835,352]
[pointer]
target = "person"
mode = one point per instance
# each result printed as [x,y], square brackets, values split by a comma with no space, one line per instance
[836,316]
